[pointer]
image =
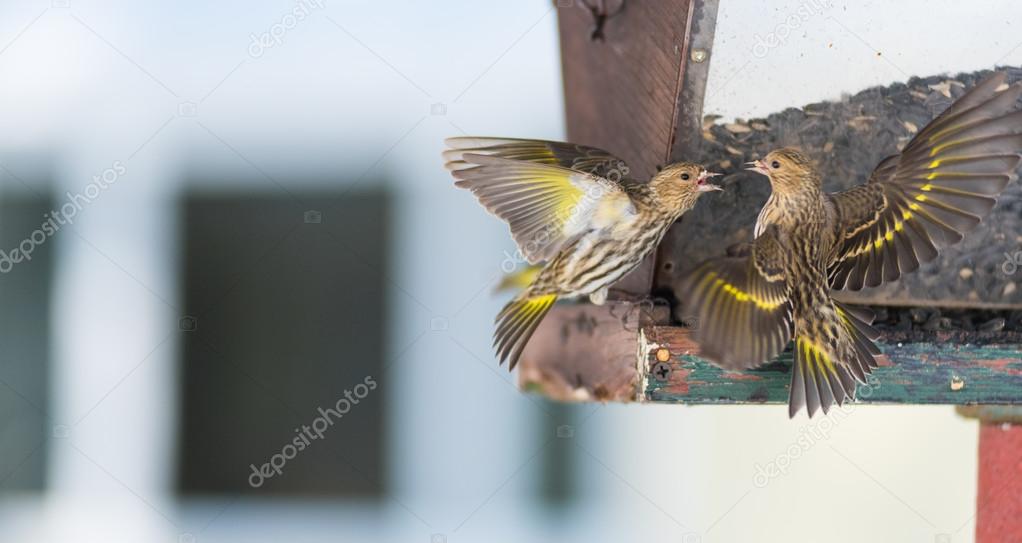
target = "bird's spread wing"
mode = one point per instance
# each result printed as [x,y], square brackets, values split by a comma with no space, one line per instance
[741,305]
[546,205]
[567,155]
[941,185]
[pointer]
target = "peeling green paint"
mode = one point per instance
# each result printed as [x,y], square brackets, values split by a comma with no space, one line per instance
[915,373]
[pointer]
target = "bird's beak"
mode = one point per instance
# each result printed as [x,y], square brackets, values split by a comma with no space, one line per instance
[702,185]
[758,166]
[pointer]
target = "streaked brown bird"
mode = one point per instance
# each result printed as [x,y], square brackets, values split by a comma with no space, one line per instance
[575,209]
[808,242]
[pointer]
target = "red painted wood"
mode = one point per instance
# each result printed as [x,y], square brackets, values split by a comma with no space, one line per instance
[999,500]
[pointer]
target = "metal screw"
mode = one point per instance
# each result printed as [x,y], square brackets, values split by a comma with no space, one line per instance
[699,55]
[661,370]
[663,355]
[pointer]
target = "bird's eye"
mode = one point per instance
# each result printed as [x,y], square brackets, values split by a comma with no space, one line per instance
[685,177]
[775,164]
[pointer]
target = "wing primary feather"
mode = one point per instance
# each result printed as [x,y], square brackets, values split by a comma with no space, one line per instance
[742,314]
[939,188]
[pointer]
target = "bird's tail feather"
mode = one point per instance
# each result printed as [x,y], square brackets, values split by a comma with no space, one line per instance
[826,369]
[516,323]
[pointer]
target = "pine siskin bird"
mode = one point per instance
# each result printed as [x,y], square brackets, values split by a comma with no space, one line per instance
[808,242]
[575,209]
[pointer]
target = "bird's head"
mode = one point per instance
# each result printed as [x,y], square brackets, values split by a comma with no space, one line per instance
[679,185]
[789,170]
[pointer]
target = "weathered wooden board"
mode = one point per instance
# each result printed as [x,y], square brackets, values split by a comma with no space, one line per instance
[623,91]
[587,353]
[917,373]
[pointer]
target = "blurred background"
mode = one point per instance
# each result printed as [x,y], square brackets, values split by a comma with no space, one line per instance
[226,229]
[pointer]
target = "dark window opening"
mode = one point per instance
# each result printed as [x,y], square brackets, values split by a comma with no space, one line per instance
[283,344]
[25,287]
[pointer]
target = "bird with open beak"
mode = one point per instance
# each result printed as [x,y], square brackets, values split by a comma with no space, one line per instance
[575,210]
[809,242]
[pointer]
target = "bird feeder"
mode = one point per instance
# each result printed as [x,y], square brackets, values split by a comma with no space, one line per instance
[635,76]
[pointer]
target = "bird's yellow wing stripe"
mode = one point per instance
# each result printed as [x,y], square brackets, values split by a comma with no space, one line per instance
[744,318]
[539,303]
[518,279]
[884,236]
[544,205]
[559,195]
[740,295]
